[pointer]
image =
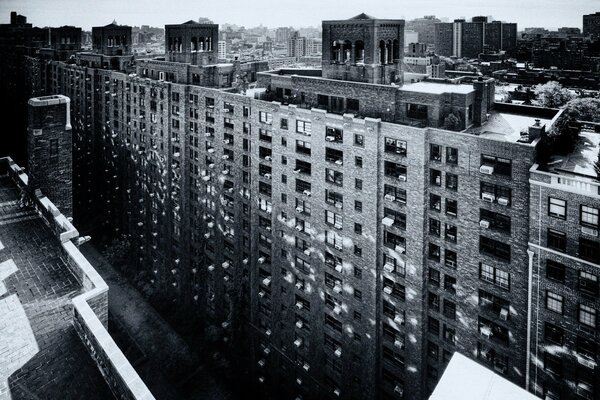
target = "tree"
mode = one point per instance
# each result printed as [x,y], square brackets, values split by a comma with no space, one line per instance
[552,95]
[452,122]
[584,109]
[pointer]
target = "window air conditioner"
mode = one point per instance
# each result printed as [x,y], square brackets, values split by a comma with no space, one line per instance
[486,169]
[488,197]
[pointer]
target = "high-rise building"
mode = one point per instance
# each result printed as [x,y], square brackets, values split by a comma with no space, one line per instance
[469,39]
[425,27]
[222,49]
[564,255]
[297,46]
[591,24]
[332,234]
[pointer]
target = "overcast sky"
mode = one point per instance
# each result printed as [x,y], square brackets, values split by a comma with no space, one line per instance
[88,13]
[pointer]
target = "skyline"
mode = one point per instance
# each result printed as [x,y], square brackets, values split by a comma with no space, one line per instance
[88,13]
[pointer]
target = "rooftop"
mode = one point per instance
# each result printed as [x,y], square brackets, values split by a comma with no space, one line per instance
[507,121]
[41,355]
[465,379]
[437,88]
[581,161]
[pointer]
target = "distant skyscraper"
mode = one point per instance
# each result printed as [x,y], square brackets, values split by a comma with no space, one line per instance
[591,24]
[425,27]
[468,39]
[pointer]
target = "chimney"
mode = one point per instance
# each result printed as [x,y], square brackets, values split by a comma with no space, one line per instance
[537,130]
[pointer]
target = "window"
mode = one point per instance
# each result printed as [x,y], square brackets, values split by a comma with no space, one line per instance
[557,208]
[283,124]
[434,252]
[434,277]
[587,315]
[435,177]
[449,334]
[450,259]
[451,155]
[358,162]
[395,146]
[357,228]
[303,147]
[359,140]
[451,207]
[449,309]
[557,240]
[358,184]
[416,111]
[494,248]
[435,152]
[303,127]
[335,135]
[500,166]
[589,216]
[450,233]
[552,364]
[333,219]
[554,302]
[434,227]
[433,301]
[588,283]
[555,271]
[589,250]
[433,326]
[495,276]
[265,117]
[358,205]
[435,202]
[334,177]
[553,334]
[451,181]
[450,284]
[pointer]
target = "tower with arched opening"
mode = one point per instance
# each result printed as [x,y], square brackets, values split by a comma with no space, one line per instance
[363,49]
[192,42]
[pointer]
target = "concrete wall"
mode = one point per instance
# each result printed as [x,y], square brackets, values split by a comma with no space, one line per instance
[90,309]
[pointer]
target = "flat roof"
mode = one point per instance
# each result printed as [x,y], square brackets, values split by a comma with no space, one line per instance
[581,160]
[41,355]
[507,126]
[465,379]
[437,88]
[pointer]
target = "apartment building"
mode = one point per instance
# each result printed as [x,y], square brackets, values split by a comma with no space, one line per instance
[564,255]
[332,234]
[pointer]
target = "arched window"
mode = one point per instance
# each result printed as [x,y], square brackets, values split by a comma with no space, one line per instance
[347,51]
[194,44]
[335,51]
[388,48]
[382,52]
[396,50]
[359,51]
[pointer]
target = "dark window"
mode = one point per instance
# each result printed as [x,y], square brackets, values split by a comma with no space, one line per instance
[589,250]
[555,271]
[451,155]
[553,334]
[451,207]
[494,248]
[557,240]
[416,111]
